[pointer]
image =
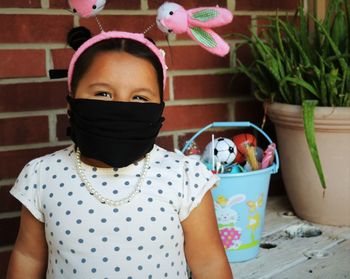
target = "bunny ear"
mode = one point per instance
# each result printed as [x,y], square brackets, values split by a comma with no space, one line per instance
[209,40]
[236,199]
[209,17]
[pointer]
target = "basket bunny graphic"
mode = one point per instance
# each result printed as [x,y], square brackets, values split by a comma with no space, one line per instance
[227,219]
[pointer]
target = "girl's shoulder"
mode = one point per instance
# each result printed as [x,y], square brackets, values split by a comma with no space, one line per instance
[64,155]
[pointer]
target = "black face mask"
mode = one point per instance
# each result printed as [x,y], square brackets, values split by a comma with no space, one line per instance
[116,133]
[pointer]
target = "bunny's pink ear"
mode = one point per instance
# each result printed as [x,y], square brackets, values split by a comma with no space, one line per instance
[209,17]
[209,40]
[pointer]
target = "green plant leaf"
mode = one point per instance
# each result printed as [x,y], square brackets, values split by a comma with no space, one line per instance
[308,117]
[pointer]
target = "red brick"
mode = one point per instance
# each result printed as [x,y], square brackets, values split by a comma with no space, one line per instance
[8,231]
[61,128]
[24,130]
[193,116]
[189,4]
[240,85]
[20,4]
[7,202]
[198,87]
[129,23]
[4,260]
[166,142]
[244,54]
[12,162]
[34,28]
[265,5]
[32,96]
[22,63]
[249,111]
[111,4]
[127,5]
[61,57]
[193,58]
[59,4]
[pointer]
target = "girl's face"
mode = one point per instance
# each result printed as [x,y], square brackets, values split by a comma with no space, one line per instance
[119,76]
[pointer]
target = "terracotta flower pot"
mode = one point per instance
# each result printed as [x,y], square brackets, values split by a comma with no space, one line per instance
[302,184]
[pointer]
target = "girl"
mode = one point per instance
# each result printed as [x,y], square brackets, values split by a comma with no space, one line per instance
[115,205]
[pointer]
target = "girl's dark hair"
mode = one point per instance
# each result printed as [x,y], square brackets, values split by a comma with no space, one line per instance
[115,44]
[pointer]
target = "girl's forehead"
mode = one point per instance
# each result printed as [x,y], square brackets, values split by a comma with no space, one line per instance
[117,35]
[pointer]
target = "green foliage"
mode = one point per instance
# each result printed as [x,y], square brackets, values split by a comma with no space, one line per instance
[303,61]
[302,58]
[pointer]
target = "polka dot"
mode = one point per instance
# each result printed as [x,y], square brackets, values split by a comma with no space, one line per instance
[140,267]
[153,238]
[80,202]
[149,182]
[93,270]
[103,220]
[105,259]
[126,183]
[139,209]
[117,269]
[129,238]
[116,249]
[44,186]
[83,260]
[70,193]
[153,219]
[91,211]
[93,250]
[159,175]
[115,192]
[160,191]
[91,230]
[128,258]
[78,221]
[141,229]
[150,199]
[68,212]
[80,240]
[140,248]
[61,185]
[68,232]
[116,229]
[128,219]
[104,239]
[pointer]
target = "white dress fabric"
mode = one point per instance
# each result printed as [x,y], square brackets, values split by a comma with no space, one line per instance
[87,239]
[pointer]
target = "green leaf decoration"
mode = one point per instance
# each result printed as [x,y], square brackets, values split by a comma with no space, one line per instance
[203,37]
[205,15]
[308,113]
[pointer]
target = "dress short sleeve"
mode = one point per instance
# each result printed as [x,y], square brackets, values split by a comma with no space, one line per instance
[197,181]
[27,189]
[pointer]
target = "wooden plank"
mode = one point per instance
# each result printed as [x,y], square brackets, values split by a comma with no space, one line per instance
[289,251]
[334,265]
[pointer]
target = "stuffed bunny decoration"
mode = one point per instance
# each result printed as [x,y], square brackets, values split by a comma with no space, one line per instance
[87,8]
[197,23]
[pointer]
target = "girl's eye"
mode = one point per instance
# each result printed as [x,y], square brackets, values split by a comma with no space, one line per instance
[104,94]
[140,99]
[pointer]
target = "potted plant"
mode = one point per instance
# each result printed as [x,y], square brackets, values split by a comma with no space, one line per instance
[301,71]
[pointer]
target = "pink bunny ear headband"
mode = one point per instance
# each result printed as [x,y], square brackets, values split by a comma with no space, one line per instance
[197,23]
[121,35]
[171,17]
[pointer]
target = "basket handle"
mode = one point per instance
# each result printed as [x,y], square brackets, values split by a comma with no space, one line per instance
[233,124]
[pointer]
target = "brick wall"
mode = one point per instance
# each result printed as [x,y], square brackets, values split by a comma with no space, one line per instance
[32,107]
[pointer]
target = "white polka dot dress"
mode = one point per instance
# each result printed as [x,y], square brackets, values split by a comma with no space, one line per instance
[87,239]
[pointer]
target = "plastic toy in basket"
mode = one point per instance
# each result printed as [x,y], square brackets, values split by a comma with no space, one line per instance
[242,141]
[242,227]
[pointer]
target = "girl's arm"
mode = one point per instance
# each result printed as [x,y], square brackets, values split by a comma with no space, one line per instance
[204,251]
[29,256]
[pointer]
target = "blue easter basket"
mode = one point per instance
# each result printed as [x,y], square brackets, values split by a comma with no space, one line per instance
[240,202]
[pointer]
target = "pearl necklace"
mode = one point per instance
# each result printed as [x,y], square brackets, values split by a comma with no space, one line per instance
[104,200]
